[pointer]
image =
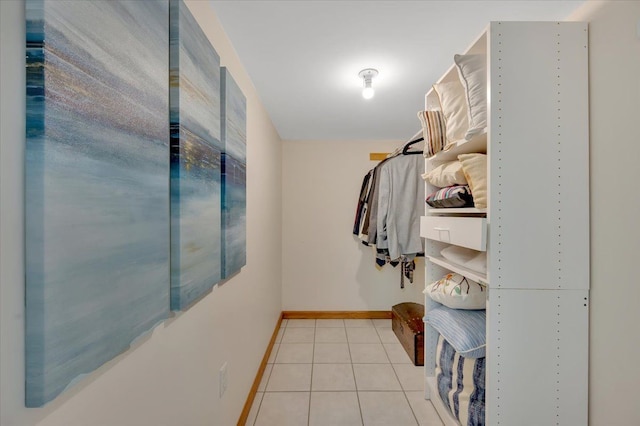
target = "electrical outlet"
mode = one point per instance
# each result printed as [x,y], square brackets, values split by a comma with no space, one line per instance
[223,379]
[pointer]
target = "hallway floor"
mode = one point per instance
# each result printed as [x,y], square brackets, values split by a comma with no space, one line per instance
[334,372]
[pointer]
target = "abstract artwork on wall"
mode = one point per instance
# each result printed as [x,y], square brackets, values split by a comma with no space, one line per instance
[96,194]
[196,150]
[234,176]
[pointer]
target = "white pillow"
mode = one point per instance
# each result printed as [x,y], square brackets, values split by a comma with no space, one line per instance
[472,70]
[470,259]
[453,101]
[478,263]
[474,167]
[446,174]
[457,292]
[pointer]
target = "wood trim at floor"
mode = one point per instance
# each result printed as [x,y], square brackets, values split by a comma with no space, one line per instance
[256,382]
[336,314]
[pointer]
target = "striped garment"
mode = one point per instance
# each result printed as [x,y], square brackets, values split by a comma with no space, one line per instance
[451,197]
[461,384]
[434,131]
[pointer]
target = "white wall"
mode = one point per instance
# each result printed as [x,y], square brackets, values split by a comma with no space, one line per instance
[171,376]
[324,267]
[614,74]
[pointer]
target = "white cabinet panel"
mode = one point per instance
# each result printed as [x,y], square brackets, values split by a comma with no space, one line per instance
[538,155]
[537,357]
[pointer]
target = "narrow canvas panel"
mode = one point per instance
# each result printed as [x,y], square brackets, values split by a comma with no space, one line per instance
[97,173]
[234,175]
[196,251]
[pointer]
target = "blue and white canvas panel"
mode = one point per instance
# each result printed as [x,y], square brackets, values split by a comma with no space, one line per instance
[234,176]
[196,150]
[97,176]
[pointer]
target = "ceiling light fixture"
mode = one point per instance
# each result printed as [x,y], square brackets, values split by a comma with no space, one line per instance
[367,76]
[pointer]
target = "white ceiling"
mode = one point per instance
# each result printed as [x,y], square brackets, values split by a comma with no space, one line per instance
[304,57]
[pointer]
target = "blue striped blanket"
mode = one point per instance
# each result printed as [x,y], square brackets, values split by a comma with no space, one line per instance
[461,384]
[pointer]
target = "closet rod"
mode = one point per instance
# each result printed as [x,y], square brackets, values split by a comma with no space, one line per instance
[378,156]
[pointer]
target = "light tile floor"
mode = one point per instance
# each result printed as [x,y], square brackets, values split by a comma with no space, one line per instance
[333,372]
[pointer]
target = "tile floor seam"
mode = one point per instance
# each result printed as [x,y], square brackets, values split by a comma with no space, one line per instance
[313,354]
[354,379]
[275,356]
[411,407]
[385,351]
[266,384]
[404,393]
[257,411]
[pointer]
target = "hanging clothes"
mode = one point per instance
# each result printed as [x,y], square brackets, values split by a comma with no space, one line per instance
[400,206]
[366,222]
[371,223]
[362,207]
[389,209]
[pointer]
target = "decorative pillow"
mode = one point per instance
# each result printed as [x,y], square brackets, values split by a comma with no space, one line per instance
[461,384]
[470,259]
[451,197]
[453,103]
[472,70]
[466,331]
[433,131]
[457,292]
[446,174]
[474,167]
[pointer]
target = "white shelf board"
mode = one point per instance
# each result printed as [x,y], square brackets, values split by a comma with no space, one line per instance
[464,210]
[473,275]
[476,144]
[446,417]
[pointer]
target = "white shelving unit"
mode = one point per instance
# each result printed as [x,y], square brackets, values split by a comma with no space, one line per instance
[475,276]
[535,229]
[463,210]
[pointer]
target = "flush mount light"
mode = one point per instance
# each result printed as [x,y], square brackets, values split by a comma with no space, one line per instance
[367,76]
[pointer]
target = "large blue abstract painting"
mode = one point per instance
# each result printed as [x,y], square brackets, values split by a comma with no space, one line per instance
[234,176]
[196,149]
[97,176]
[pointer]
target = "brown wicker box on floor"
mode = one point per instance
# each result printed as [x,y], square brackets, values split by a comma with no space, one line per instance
[407,324]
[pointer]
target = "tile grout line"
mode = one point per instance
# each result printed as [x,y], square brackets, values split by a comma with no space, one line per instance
[385,352]
[258,410]
[404,392]
[266,384]
[354,375]
[313,356]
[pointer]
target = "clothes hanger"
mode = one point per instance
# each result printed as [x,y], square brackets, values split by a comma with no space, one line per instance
[405,149]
